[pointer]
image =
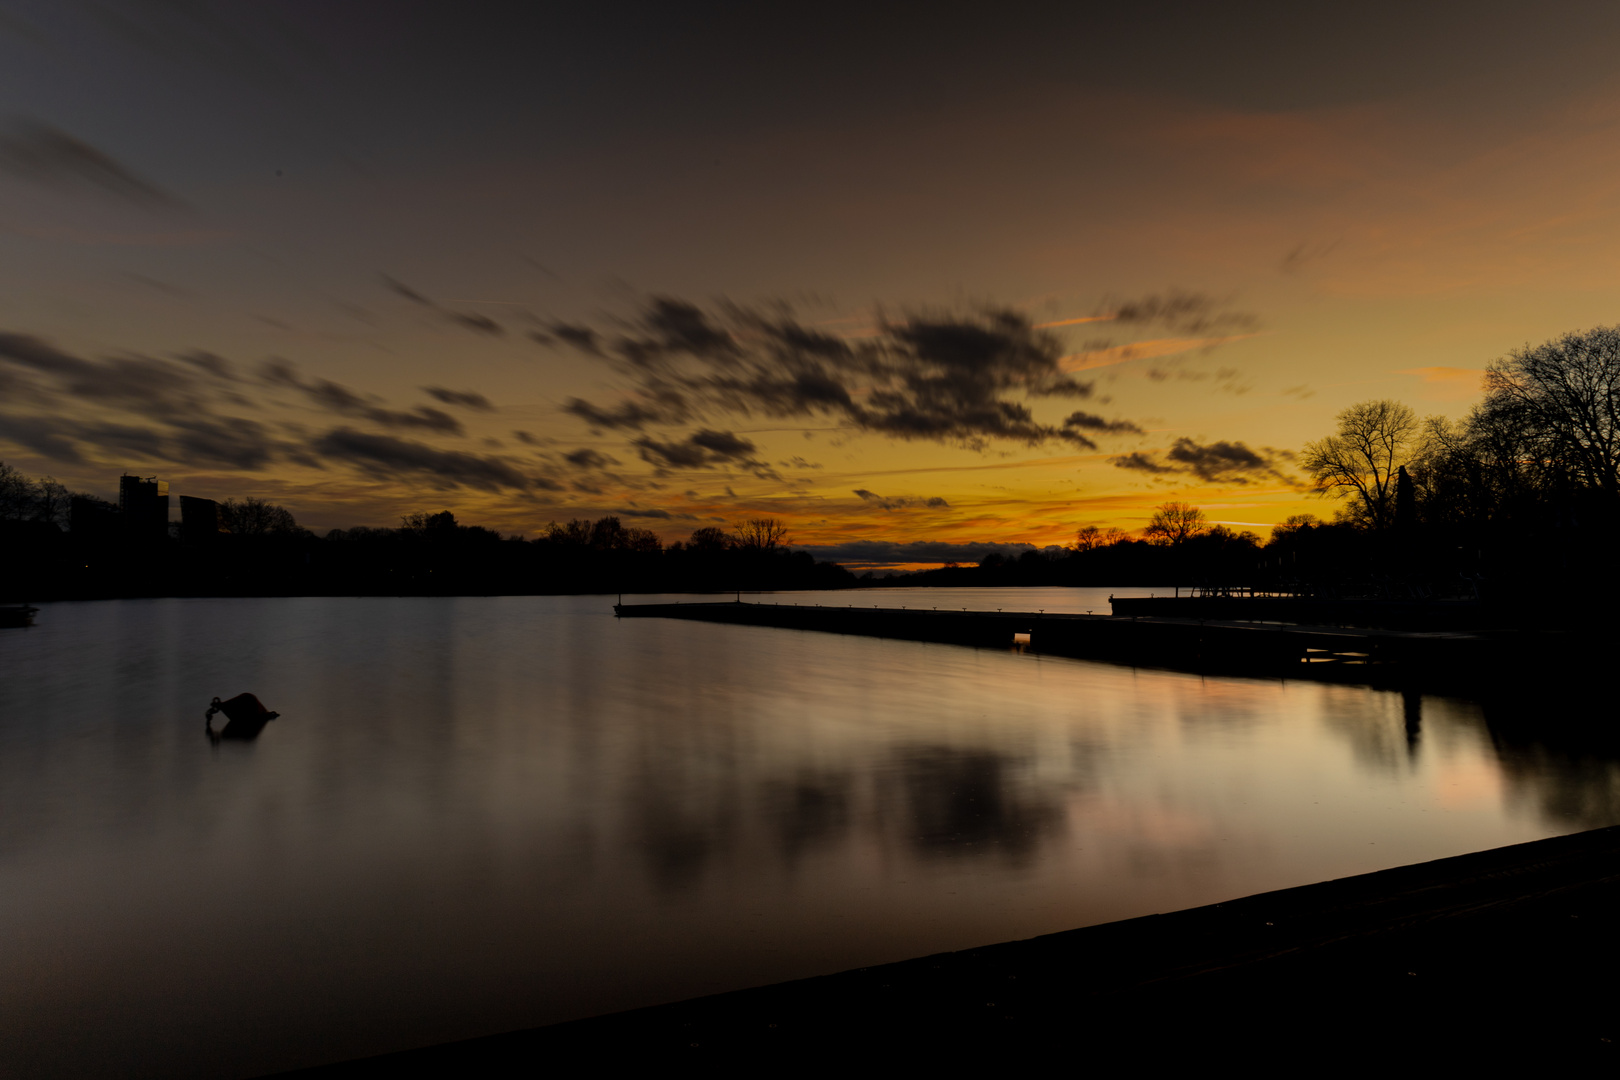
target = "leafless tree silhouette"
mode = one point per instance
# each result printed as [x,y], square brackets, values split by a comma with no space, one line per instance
[762,534]
[1174,523]
[256,517]
[1362,457]
[1565,394]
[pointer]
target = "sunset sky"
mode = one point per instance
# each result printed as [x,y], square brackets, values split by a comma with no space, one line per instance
[364,259]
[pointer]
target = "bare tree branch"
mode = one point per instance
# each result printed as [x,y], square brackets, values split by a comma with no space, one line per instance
[1362,457]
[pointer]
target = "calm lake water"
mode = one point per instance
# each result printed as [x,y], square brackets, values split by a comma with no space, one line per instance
[481,814]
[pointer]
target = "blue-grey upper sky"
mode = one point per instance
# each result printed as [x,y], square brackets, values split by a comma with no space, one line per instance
[322,252]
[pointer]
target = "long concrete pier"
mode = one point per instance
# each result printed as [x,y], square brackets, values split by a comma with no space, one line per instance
[1202,644]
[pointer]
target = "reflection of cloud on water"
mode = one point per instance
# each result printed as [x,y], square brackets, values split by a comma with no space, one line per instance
[933,801]
[810,811]
[711,797]
[684,810]
[958,802]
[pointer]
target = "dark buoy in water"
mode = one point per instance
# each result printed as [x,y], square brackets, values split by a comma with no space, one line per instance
[245,717]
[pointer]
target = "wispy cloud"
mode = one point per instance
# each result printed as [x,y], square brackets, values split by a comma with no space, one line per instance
[1109,355]
[1215,462]
[901,502]
[467,399]
[467,320]
[387,456]
[50,157]
[336,398]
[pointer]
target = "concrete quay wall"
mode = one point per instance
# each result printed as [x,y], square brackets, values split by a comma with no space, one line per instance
[1280,648]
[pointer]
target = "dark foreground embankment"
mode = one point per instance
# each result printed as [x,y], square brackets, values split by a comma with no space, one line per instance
[1500,955]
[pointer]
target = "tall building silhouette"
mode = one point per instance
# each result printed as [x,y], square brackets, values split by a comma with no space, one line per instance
[199,520]
[144,504]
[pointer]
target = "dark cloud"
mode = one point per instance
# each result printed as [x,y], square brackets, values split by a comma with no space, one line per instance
[384,455]
[1062,386]
[154,387]
[634,415]
[174,403]
[137,381]
[955,379]
[1305,253]
[172,416]
[661,515]
[468,399]
[580,337]
[1140,462]
[1084,421]
[589,459]
[674,327]
[1217,462]
[423,416]
[1226,461]
[336,398]
[49,156]
[13,388]
[158,286]
[901,502]
[40,355]
[467,320]
[402,289]
[217,366]
[1183,312]
[722,443]
[1093,422]
[471,320]
[44,435]
[701,450]
[228,442]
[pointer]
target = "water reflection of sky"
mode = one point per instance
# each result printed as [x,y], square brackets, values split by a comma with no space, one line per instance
[481,814]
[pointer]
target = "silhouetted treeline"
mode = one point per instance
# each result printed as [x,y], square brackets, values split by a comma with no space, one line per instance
[1210,557]
[1520,498]
[267,553]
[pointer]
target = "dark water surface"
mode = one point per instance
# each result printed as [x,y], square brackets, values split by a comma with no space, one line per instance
[481,814]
